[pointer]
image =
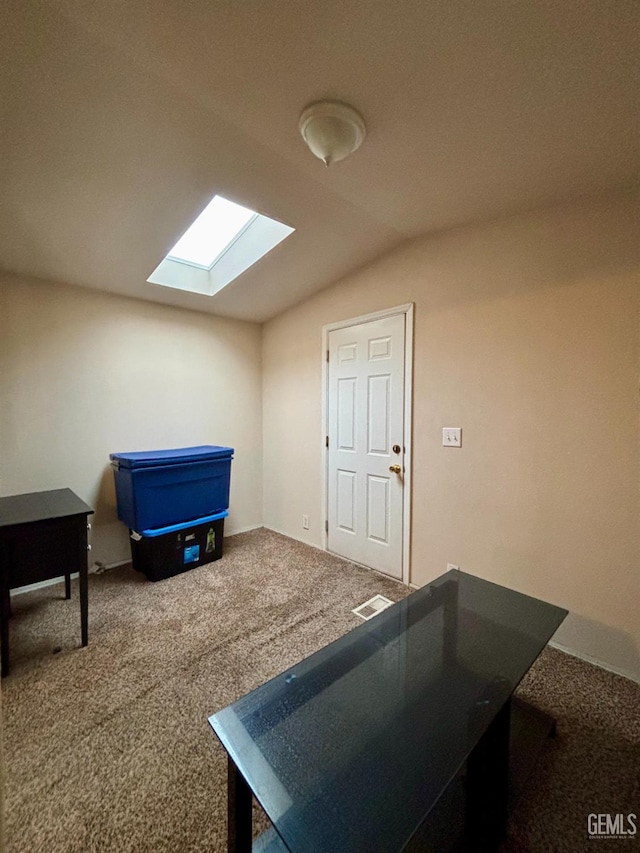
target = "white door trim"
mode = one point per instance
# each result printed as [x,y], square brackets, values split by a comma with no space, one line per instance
[408,399]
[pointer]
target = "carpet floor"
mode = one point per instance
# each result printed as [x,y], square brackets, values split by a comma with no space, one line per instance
[108,748]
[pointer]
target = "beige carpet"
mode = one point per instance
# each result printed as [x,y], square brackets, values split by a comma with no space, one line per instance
[108,748]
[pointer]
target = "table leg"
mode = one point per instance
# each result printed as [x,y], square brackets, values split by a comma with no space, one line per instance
[67,585]
[238,811]
[450,617]
[488,786]
[530,729]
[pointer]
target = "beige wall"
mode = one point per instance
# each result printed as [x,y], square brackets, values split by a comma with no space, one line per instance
[84,374]
[526,336]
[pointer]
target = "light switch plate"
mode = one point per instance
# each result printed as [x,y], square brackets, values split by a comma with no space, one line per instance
[451,436]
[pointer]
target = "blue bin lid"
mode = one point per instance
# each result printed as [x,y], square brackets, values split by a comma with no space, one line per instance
[175,456]
[185,525]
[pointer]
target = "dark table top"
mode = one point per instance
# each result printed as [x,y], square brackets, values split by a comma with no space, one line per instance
[41,506]
[350,749]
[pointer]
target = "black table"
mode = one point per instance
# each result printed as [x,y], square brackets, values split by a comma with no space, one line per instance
[356,747]
[43,535]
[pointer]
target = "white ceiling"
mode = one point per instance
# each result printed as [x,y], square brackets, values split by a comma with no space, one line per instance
[122,118]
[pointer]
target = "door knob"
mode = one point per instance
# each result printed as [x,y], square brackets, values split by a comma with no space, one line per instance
[395,469]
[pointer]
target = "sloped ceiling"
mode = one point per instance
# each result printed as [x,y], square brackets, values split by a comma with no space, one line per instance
[122,118]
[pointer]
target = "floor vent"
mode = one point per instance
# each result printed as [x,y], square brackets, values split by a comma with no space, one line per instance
[372,607]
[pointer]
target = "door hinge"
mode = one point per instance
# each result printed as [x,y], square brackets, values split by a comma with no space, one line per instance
[327,355]
[326,441]
[326,527]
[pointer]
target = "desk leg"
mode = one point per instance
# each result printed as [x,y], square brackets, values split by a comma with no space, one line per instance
[5,605]
[84,584]
[84,606]
[238,811]
[6,556]
[488,786]
[67,585]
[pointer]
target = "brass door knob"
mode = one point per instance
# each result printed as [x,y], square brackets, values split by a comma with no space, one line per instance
[395,469]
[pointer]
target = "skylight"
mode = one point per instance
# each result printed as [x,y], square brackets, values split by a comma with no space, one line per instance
[219,224]
[224,241]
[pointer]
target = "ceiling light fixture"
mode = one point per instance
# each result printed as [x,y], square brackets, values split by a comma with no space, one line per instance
[332,130]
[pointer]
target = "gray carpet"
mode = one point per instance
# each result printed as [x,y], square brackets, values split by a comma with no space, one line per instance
[108,748]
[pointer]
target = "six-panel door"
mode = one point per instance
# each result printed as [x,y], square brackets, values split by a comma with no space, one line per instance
[366,420]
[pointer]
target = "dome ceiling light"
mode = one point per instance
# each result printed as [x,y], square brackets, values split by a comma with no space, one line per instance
[332,130]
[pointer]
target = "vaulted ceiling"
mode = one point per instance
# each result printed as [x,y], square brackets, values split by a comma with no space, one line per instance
[122,118]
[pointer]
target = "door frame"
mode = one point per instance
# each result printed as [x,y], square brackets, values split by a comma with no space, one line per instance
[407,310]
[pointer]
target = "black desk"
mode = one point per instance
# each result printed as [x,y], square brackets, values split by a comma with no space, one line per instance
[355,747]
[43,535]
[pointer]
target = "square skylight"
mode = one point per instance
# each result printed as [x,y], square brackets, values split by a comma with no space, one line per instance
[222,242]
[219,224]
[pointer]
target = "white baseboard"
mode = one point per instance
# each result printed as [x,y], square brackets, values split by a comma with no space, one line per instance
[320,548]
[40,585]
[588,659]
[53,581]
[553,643]
[295,538]
[337,556]
[242,530]
[582,656]
[108,566]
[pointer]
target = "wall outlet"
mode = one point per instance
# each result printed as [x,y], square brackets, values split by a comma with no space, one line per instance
[305,522]
[452,567]
[451,437]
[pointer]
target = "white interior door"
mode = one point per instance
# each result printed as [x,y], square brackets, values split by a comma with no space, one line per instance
[366,432]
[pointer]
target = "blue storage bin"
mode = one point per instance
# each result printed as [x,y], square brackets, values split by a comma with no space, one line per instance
[158,488]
